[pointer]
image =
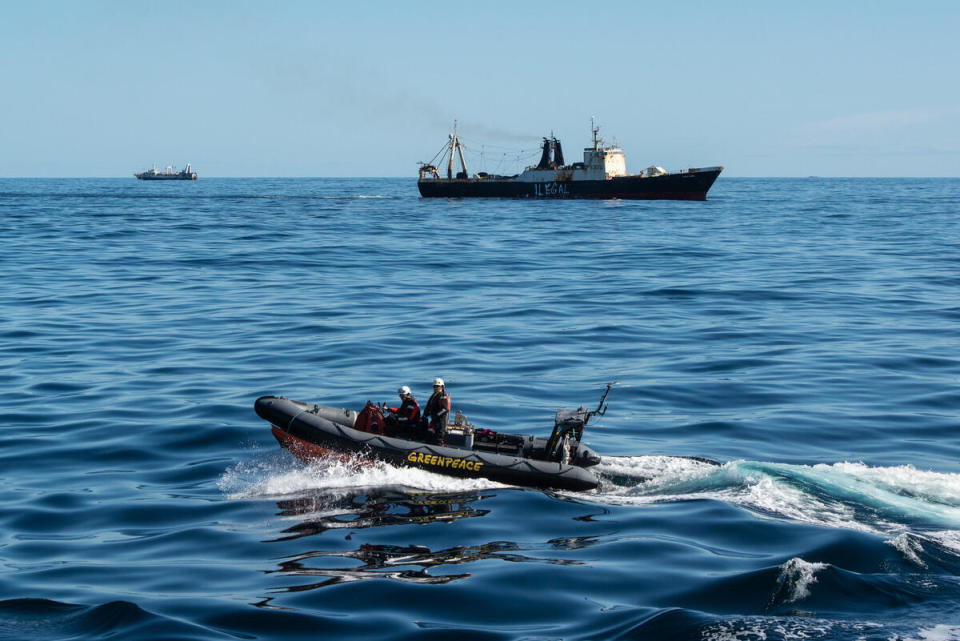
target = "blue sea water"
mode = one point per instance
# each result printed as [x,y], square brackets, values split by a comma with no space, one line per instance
[805,333]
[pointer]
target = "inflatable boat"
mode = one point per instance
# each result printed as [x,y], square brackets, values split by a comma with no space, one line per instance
[310,432]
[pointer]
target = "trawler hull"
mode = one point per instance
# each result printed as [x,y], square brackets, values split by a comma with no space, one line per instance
[146,176]
[689,185]
[168,174]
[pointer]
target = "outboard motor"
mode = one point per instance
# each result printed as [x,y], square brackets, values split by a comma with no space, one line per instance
[568,425]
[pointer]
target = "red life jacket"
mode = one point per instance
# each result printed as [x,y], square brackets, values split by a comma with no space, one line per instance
[369,420]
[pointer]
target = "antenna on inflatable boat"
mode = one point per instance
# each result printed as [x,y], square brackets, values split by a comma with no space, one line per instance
[599,411]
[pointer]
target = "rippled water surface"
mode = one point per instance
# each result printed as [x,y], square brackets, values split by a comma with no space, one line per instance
[805,333]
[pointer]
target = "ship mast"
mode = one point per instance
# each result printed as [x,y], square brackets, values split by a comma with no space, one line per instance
[455,144]
[596,131]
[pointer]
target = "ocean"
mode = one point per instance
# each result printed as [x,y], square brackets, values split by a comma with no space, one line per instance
[805,333]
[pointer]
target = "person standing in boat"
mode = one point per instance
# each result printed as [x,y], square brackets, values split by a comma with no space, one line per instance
[435,414]
[403,420]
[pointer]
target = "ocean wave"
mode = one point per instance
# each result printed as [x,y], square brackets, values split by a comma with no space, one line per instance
[845,495]
[796,577]
[31,618]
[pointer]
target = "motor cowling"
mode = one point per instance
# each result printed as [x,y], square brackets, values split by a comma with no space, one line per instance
[572,421]
[567,429]
[585,457]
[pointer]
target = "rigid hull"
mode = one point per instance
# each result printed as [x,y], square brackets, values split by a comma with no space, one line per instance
[690,185]
[312,432]
[601,174]
[147,176]
[168,174]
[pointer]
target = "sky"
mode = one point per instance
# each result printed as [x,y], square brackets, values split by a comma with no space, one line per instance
[309,88]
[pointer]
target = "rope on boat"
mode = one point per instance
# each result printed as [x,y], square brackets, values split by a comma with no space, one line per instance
[287,431]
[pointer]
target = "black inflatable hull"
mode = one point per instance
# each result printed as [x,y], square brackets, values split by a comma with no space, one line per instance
[310,432]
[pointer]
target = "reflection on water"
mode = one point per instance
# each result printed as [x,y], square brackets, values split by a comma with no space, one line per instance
[359,508]
[372,507]
[408,564]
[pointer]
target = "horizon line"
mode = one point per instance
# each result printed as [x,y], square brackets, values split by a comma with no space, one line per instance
[414,178]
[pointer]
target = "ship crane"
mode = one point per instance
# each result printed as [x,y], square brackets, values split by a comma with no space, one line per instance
[453,146]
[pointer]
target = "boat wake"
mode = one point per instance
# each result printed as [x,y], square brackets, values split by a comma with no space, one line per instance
[913,507]
[910,504]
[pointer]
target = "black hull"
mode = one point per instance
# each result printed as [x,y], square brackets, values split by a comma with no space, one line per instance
[311,432]
[692,185]
[166,177]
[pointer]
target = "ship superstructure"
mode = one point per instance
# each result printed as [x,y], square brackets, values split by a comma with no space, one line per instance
[167,174]
[602,174]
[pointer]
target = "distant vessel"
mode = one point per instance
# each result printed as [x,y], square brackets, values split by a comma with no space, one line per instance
[602,174]
[167,174]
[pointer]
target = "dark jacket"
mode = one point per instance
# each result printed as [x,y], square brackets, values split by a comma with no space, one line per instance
[409,411]
[438,407]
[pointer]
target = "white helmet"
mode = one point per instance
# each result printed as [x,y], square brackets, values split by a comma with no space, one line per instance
[403,391]
[438,381]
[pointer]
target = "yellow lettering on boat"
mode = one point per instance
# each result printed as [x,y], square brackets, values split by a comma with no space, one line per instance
[444,461]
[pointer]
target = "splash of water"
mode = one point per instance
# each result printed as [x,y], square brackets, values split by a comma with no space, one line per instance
[796,577]
[280,476]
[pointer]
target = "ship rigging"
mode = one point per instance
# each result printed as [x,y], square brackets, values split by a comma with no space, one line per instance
[602,174]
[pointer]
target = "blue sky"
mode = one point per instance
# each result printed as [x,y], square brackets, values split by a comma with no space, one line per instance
[370,88]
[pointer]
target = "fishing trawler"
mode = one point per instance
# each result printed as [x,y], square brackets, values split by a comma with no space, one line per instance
[602,174]
[167,174]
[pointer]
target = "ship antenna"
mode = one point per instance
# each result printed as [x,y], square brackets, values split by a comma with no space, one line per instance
[455,147]
[450,151]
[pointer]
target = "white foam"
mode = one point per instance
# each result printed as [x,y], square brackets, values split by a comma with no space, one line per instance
[758,629]
[659,471]
[939,632]
[949,539]
[908,545]
[855,496]
[901,489]
[279,475]
[747,485]
[796,577]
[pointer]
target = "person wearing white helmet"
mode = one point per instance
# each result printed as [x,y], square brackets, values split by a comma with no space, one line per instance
[436,412]
[401,421]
